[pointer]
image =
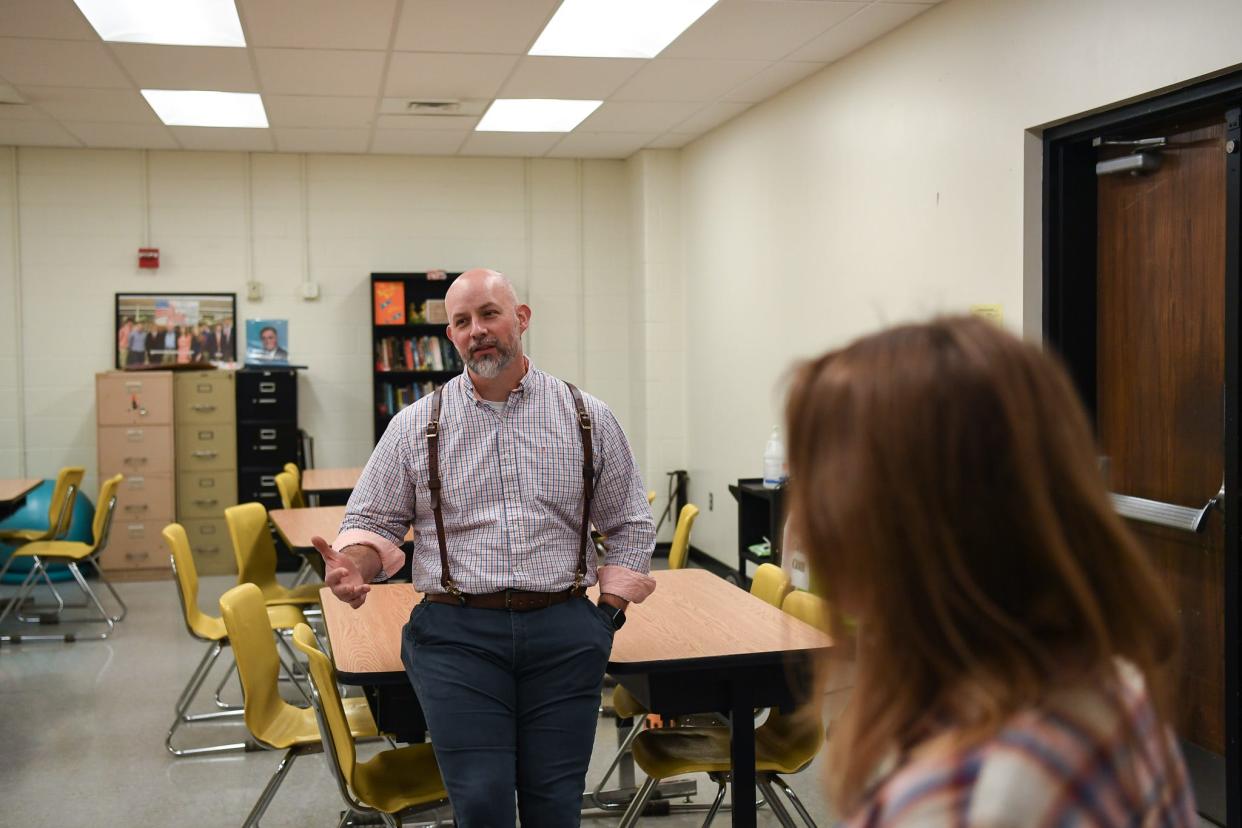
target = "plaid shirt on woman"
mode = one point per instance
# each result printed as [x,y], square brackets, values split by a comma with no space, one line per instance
[1089,756]
[511,493]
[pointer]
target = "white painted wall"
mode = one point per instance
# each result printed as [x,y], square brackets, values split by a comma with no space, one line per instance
[559,228]
[895,184]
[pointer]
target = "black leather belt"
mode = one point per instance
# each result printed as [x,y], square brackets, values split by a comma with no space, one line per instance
[514,600]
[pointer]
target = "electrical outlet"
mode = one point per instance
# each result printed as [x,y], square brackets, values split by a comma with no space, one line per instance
[254,291]
[711,501]
[310,290]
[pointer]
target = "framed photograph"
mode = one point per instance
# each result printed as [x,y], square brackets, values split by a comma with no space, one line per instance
[165,329]
[267,341]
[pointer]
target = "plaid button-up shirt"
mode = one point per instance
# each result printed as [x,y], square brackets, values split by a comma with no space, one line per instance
[511,492]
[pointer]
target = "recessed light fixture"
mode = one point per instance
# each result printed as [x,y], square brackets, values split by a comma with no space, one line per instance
[178,107]
[180,23]
[534,115]
[617,28]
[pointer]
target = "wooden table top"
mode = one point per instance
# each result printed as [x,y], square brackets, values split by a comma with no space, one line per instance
[315,481]
[298,526]
[692,616]
[11,490]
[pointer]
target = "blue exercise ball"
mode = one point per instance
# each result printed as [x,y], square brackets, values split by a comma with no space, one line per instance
[32,514]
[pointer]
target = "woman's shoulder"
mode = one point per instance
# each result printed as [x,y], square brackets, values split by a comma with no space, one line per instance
[1093,754]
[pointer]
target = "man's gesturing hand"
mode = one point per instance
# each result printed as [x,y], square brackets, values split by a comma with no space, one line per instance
[342,575]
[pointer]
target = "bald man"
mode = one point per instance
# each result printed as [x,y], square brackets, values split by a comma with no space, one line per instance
[501,473]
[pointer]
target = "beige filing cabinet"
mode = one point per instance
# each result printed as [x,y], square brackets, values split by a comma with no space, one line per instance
[134,437]
[206,420]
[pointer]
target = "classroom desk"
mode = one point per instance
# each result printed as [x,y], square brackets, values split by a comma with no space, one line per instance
[697,644]
[324,481]
[298,526]
[13,492]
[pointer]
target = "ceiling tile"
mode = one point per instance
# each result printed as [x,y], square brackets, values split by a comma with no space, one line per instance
[638,116]
[220,138]
[492,26]
[672,140]
[429,75]
[22,112]
[569,77]
[427,123]
[317,111]
[417,141]
[36,134]
[322,140]
[862,28]
[712,116]
[776,77]
[112,106]
[123,135]
[59,63]
[758,29]
[601,144]
[41,18]
[319,71]
[187,67]
[529,144]
[318,24]
[664,79]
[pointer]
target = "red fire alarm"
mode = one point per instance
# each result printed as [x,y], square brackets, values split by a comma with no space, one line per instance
[149,258]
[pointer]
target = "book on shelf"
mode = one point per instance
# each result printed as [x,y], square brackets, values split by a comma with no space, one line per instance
[389,303]
[416,353]
[434,312]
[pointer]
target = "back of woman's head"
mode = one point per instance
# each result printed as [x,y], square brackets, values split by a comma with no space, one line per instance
[945,485]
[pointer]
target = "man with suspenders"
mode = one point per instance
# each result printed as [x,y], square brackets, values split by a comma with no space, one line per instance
[501,473]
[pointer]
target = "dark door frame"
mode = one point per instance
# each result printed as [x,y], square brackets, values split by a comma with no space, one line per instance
[1069,312]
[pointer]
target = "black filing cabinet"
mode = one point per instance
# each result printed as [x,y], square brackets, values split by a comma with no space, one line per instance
[267,431]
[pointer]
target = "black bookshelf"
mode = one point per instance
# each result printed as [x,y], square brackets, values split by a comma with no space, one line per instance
[759,515]
[402,373]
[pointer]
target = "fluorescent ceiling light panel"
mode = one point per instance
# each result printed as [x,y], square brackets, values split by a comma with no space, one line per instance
[176,107]
[617,28]
[534,115]
[169,22]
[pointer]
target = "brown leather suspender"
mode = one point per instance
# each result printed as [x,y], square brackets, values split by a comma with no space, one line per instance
[588,489]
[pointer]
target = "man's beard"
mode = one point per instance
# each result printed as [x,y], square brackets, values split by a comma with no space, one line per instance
[489,366]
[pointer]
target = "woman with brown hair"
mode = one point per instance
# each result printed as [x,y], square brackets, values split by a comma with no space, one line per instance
[1013,638]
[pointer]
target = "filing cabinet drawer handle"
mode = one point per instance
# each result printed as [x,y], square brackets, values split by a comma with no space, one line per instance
[137,556]
[265,447]
[208,550]
[134,461]
[208,502]
[203,407]
[204,454]
[267,434]
[267,388]
[136,507]
[267,480]
[264,400]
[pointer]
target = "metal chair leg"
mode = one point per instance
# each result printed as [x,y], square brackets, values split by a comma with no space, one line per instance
[782,816]
[716,803]
[793,799]
[183,704]
[616,760]
[221,703]
[265,798]
[90,594]
[635,810]
[115,595]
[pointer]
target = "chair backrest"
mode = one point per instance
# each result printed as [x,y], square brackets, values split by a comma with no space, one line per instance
[105,508]
[651,496]
[680,550]
[809,608]
[258,665]
[338,741]
[252,545]
[293,469]
[60,508]
[185,573]
[770,584]
[290,491]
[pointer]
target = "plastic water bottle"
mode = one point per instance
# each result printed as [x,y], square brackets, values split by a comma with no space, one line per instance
[774,475]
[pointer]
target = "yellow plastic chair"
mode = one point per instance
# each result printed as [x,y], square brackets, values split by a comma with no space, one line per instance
[209,628]
[290,491]
[272,721]
[71,554]
[396,781]
[770,584]
[679,552]
[651,496]
[783,744]
[59,510]
[255,552]
[293,469]
[810,608]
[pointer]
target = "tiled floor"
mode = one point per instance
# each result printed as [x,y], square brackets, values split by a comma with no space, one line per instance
[82,729]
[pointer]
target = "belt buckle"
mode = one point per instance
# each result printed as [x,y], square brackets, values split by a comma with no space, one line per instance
[509,599]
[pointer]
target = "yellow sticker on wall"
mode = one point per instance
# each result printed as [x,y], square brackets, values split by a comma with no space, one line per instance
[995,313]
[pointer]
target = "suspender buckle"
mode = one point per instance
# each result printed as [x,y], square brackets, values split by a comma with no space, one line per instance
[584,419]
[451,589]
[433,429]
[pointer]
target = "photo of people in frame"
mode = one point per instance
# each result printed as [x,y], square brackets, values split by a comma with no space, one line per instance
[154,330]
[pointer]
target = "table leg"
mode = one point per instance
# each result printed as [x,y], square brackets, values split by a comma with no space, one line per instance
[742,753]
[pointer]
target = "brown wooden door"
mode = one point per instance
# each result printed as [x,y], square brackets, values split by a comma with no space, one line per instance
[1160,384]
